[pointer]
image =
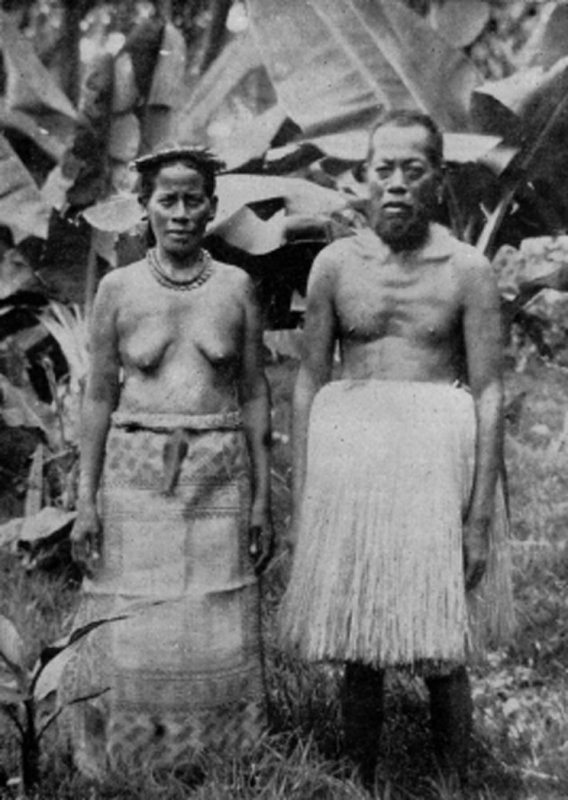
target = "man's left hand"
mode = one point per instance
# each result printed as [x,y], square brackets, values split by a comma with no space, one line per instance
[475,551]
[261,541]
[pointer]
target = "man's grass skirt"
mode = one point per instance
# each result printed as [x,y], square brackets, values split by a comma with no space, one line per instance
[183,674]
[378,570]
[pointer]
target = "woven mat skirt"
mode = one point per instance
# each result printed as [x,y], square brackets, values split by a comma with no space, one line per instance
[182,675]
[378,570]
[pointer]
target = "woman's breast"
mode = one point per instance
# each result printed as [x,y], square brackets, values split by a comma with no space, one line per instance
[150,348]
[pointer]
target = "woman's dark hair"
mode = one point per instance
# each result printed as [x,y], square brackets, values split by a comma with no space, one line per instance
[199,159]
[406,118]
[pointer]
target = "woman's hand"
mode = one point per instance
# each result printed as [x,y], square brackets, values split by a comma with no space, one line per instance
[86,539]
[261,540]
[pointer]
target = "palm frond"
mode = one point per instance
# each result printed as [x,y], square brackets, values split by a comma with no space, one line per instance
[69,327]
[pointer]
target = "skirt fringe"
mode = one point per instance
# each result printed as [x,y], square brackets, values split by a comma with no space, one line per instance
[378,573]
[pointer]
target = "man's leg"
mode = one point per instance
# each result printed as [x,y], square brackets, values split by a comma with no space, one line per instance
[362,707]
[451,713]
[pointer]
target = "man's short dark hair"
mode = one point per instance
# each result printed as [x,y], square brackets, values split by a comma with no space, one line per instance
[198,158]
[406,118]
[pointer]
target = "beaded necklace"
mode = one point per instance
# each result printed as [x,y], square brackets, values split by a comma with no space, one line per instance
[184,285]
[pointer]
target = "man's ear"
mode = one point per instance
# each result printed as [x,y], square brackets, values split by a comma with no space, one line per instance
[213,205]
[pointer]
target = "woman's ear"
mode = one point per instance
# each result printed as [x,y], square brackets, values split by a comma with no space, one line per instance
[213,205]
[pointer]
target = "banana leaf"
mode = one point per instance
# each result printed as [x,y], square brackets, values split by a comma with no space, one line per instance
[168,75]
[535,103]
[159,115]
[21,408]
[549,39]
[335,64]
[30,87]
[117,214]
[125,92]
[251,139]
[124,137]
[44,525]
[21,203]
[237,60]
[51,133]
[459,21]
[12,651]
[299,196]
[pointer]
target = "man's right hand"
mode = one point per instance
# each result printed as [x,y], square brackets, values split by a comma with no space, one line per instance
[86,539]
[475,551]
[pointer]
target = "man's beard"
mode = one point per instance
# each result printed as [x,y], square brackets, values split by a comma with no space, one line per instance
[400,234]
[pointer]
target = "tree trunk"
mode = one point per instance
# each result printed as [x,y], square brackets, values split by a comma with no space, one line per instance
[30,750]
[69,56]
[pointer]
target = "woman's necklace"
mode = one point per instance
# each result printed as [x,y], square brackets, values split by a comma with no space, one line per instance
[184,285]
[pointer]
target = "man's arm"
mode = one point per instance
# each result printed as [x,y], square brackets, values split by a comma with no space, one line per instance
[101,397]
[315,370]
[255,404]
[483,342]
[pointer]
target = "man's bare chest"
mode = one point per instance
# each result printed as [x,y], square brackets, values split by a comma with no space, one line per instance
[421,303]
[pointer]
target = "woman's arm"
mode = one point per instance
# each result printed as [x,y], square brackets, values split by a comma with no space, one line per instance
[254,399]
[101,397]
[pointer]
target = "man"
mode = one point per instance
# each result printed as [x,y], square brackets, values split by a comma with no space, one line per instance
[396,464]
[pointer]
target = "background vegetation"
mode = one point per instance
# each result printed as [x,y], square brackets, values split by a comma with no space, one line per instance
[88,87]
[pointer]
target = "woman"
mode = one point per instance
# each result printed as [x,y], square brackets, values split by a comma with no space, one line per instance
[176,433]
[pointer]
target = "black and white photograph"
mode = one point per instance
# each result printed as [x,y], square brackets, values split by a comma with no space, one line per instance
[284,399]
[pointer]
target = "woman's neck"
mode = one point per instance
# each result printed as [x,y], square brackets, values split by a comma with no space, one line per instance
[173,265]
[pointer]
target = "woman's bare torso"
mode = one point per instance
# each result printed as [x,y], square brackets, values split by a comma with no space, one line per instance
[180,350]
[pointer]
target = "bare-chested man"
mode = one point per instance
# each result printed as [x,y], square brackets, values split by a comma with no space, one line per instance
[396,463]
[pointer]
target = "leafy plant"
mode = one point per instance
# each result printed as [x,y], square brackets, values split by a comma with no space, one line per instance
[22,690]
[68,324]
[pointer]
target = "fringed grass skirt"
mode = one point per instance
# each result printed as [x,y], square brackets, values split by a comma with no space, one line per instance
[183,673]
[378,570]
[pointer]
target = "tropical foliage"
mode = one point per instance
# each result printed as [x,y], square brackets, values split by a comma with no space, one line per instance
[22,690]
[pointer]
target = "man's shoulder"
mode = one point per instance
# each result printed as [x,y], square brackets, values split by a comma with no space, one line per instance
[334,254]
[463,254]
[471,270]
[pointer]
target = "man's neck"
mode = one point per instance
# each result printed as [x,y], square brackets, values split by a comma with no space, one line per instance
[409,243]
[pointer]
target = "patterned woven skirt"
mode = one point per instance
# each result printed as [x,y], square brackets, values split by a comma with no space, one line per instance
[182,674]
[378,570]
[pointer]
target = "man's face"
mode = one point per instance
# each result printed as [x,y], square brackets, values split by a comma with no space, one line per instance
[402,186]
[179,209]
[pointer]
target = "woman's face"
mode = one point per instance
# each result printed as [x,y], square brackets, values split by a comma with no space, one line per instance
[179,209]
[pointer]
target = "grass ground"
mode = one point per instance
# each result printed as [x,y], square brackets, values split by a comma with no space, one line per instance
[521,694]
